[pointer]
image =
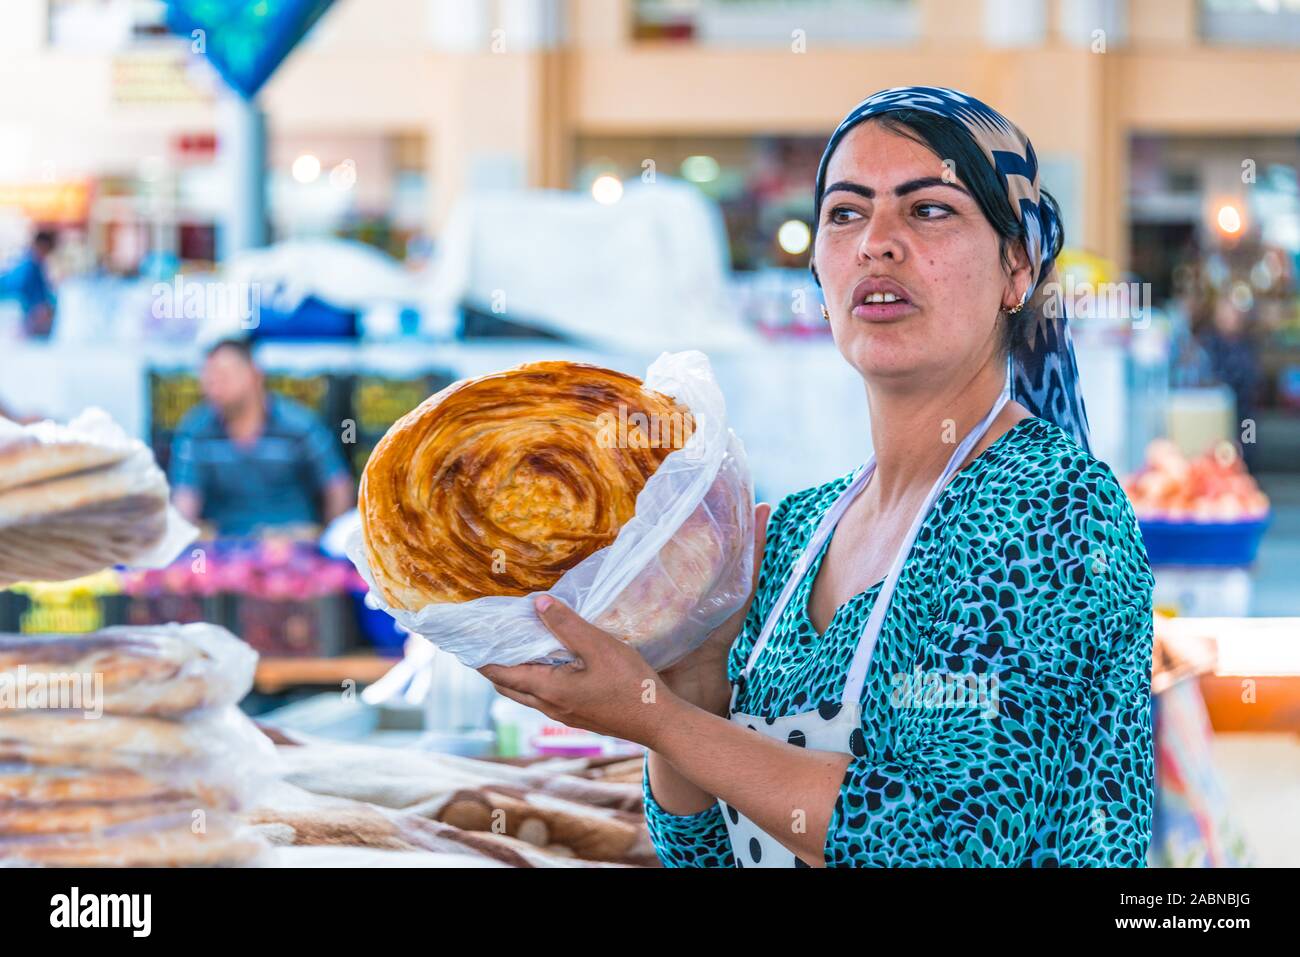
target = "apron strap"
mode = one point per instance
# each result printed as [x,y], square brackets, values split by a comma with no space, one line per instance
[857,676]
[824,529]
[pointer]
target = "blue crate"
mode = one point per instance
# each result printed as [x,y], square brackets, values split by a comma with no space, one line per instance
[378,627]
[311,319]
[1218,544]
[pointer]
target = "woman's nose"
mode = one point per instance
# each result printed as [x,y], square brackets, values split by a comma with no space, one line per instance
[880,238]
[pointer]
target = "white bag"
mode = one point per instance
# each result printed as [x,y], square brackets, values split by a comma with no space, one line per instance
[80,497]
[677,569]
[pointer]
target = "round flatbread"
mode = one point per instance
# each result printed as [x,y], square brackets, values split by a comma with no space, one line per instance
[223,845]
[89,817]
[163,670]
[32,785]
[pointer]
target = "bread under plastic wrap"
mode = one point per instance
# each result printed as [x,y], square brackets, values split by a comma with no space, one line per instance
[81,497]
[151,767]
[673,571]
[159,670]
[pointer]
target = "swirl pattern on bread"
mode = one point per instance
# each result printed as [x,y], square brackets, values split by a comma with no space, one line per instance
[499,485]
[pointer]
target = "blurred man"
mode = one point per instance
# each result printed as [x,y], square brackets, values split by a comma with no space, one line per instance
[1234,358]
[28,283]
[246,460]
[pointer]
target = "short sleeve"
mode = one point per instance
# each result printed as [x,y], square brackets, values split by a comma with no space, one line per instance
[686,840]
[1023,733]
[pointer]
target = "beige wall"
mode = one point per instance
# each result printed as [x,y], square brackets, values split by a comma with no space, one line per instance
[367,72]
[1069,100]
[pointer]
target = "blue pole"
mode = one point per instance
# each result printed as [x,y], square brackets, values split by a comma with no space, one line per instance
[241,156]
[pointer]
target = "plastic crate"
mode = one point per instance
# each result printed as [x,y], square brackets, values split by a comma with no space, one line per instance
[166,608]
[68,608]
[1219,544]
[321,627]
[24,615]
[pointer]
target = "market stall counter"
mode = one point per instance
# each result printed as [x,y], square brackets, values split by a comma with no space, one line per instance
[583,812]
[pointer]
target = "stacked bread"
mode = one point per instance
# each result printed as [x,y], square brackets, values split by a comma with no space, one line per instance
[80,497]
[125,748]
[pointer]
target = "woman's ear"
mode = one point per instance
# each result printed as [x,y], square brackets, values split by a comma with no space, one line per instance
[1020,274]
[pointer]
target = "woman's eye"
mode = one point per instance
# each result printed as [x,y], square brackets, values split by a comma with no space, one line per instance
[932,210]
[840,213]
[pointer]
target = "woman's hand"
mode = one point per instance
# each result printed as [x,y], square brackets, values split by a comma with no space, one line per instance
[701,677]
[610,689]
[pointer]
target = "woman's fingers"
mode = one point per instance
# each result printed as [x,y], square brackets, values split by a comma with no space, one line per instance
[575,633]
[522,697]
[523,678]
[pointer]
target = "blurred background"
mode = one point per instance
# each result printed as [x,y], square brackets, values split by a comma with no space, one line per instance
[373,199]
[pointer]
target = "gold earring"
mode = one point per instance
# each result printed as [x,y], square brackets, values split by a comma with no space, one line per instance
[826,313]
[1012,312]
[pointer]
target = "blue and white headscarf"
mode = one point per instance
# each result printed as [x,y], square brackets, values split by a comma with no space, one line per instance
[1043,373]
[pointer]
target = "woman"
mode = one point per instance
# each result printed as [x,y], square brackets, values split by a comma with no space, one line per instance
[960,674]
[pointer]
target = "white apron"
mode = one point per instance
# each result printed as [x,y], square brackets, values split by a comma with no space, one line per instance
[830,729]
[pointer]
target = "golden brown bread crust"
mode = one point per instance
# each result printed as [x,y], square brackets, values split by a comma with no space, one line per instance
[499,485]
[177,846]
[124,660]
[47,450]
[88,817]
[53,785]
[144,671]
[52,738]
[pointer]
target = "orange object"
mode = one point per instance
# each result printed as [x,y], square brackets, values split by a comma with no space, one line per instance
[1214,487]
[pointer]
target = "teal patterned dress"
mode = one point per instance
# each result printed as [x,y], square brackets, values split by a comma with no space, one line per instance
[1006,716]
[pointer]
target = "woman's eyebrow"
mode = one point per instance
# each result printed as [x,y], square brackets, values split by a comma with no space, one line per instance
[912,185]
[866,192]
[902,189]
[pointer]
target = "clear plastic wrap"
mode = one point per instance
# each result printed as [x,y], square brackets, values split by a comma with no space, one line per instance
[76,498]
[24,784]
[158,670]
[181,840]
[161,782]
[676,570]
[218,752]
[144,796]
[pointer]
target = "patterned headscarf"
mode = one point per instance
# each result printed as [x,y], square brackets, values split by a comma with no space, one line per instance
[1043,373]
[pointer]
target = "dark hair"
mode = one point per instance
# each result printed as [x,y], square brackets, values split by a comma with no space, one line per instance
[948,140]
[241,346]
[45,239]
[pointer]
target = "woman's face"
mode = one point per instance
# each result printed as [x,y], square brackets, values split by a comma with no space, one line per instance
[893,223]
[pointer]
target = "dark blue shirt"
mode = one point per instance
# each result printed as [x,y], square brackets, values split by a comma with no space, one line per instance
[276,479]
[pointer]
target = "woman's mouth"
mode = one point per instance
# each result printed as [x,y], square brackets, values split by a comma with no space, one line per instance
[880,299]
[883,307]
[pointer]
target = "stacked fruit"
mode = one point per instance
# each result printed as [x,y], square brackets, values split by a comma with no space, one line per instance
[270,569]
[1213,487]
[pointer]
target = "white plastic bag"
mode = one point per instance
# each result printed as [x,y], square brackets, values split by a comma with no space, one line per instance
[150,765]
[677,569]
[167,671]
[77,498]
